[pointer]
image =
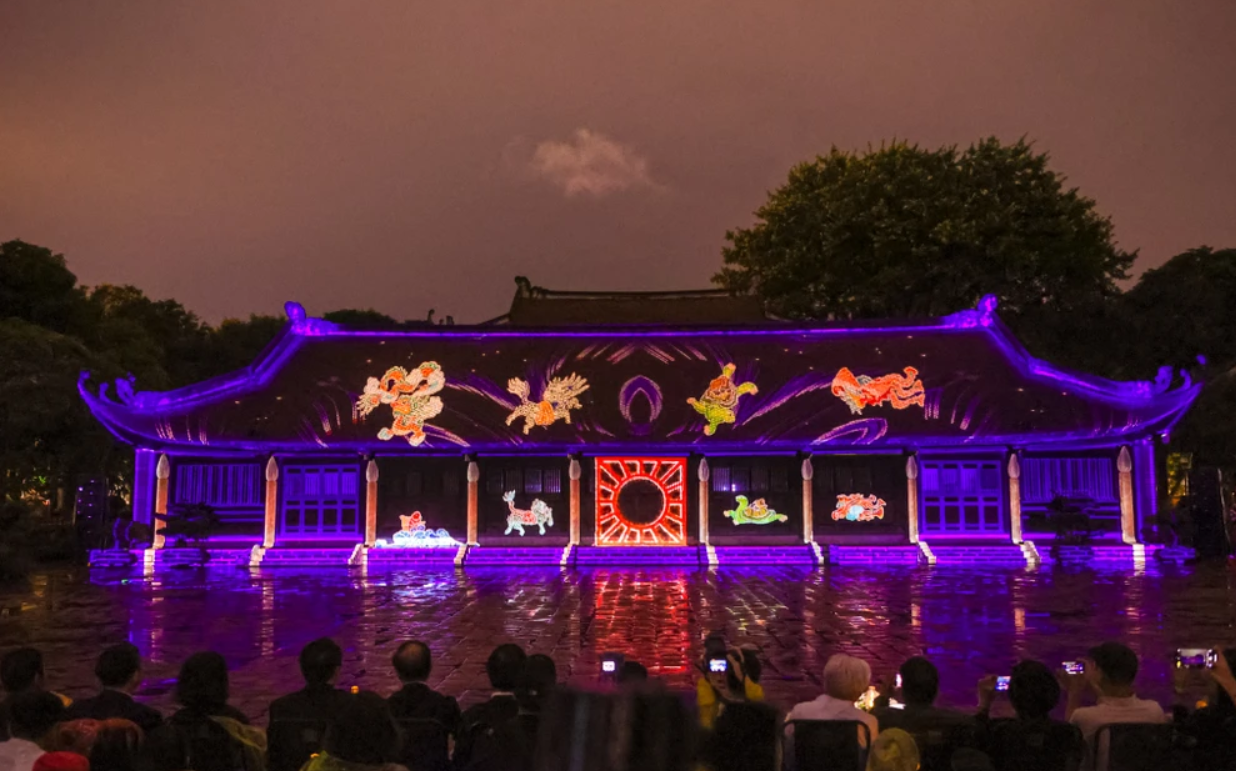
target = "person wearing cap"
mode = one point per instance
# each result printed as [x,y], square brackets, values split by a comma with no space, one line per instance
[1110,671]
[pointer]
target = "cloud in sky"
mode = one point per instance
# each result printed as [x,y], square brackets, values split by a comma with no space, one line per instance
[590,164]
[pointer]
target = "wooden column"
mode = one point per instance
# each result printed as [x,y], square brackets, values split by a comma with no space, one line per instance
[808,474]
[371,503]
[703,473]
[163,472]
[474,477]
[272,503]
[1128,521]
[573,473]
[912,497]
[1014,469]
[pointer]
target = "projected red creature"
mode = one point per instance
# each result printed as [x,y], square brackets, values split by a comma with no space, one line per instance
[641,501]
[859,392]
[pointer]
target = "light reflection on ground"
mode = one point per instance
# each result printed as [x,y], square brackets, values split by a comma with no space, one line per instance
[971,622]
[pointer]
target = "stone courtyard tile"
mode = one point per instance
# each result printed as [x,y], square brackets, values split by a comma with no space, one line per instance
[971,622]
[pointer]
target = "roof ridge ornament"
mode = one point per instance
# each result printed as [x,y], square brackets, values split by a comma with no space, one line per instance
[304,324]
[983,315]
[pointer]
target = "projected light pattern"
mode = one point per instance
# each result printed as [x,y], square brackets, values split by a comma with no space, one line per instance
[856,507]
[416,535]
[616,527]
[411,397]
[753,513]
[557,401]
[863,391]
[651,392]
[719,402]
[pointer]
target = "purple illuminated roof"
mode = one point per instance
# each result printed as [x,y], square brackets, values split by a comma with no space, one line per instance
[972,384]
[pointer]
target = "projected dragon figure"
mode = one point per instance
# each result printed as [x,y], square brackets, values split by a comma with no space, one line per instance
[557,401]
[719,402]
[900,391]
[411,397]
[856,507]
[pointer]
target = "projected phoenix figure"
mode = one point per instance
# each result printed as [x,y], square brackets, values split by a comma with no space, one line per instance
[641,501]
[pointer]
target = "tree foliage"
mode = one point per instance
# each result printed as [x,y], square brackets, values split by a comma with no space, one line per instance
[902,232]
[51,329]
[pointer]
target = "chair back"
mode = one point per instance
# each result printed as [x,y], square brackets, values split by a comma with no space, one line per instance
[937,743]
[829,745]
[1019,745]
[290,743]
[1137,747]
[426,745]
[209,747]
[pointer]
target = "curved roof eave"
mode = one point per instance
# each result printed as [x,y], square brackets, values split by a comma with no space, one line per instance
[301,327]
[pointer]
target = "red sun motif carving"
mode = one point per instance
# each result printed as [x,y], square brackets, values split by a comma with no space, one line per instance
[650,527]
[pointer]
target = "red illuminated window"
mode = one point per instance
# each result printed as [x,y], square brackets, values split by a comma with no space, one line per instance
[641,501]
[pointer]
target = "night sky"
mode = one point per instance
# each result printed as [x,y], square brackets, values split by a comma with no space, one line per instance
[411,155]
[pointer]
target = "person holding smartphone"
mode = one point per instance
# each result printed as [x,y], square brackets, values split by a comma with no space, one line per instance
[724,680]
[1213,727]
[1110,671]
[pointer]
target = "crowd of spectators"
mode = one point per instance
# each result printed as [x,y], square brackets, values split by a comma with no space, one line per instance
[627,722]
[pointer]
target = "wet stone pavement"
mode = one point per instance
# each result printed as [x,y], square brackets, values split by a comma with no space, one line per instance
[970,622]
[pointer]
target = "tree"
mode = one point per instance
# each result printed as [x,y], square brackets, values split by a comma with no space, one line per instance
[178,336]
[1175,313]
[362,319]
[1185,308]
[369,319]
[902,232]
[46,432]
[236,343]
[36,286]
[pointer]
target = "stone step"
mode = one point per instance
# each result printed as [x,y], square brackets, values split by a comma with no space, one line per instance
[990,554]
[640,555]
[277,557]
[907,554]
[799,555]
[525,555]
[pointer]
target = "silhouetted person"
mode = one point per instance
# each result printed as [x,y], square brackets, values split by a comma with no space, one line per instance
[1111,669]
[207,733]
[119,670]
[1034,692]
[426,746]
[415,700]
[511,745]
[920,684]
[33,717]
[1213,727]
[362,738]
[504,668]
[320,662]
[632,673]
[21,671]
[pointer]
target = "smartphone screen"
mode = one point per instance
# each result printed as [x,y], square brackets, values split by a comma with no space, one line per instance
[1074,667]
[1195,658]
[609,667]
[1002,683]
[898,679]
[718,665]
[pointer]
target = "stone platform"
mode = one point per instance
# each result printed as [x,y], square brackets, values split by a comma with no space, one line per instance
[941,553]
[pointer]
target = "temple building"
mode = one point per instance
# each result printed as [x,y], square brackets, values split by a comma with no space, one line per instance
[669,427]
